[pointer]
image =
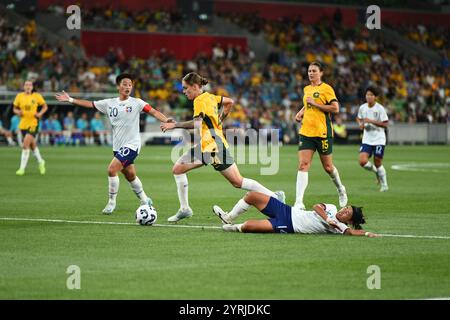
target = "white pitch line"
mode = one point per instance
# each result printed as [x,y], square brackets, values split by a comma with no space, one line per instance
[413,236]
[107,222]
[184,226]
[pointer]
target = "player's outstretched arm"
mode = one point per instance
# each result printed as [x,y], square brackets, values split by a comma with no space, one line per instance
[64,97]
[353,232]
[158,115]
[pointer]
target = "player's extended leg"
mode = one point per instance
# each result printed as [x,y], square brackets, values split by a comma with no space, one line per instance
[260,202]
[304,163]
[136,185]
[327,163]
[179,170]
[113,185]
[25,154]
[37,155]
[381,173]
[364,161]
[233,175]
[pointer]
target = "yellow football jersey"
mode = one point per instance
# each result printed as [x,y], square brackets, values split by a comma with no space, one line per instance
[29,104]
[317,123]
[207,106]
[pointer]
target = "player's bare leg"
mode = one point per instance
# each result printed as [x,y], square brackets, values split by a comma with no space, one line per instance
[233,175]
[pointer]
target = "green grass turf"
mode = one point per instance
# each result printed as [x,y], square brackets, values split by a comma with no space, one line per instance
[135,262]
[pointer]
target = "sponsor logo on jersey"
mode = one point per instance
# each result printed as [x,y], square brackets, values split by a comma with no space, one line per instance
[316,95]
[128,109]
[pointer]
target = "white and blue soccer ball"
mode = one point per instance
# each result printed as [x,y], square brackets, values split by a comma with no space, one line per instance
[146,215]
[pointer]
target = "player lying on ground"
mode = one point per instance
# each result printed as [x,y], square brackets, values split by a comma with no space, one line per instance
[286,219]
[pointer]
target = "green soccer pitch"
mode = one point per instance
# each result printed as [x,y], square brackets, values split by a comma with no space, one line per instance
[41,234]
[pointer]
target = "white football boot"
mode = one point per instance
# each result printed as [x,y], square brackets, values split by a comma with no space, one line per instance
[181,214]
[342,197]
[224,216]
[109,207]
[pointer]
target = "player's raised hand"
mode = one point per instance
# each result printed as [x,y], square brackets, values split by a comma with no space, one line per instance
[167,126]
[170,120]
[62,96]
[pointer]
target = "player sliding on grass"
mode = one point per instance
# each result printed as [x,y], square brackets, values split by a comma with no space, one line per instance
[213,147]
[285,219]
[123,113]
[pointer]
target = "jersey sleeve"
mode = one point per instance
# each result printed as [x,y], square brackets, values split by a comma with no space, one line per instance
[16,102]
[383,115]
[40,100]
[199,108]
[101,105]
[142,105]
[360,113]
[330,209]
[329,94]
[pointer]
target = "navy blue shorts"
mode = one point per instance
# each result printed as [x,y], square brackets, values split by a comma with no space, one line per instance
[378,150]
[126,156]
[280,216]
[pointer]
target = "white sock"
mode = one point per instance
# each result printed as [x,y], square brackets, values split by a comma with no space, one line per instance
[37,154]
[370,167]
[182,189]
[24,158]
[302,183]
[136,186]
[240,207]
[10,141]
[336,179]
[252,185]
[382,174]
[113,188]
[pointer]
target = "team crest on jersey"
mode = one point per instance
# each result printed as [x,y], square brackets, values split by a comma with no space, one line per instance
[375,114]
[316,95]
[128,109]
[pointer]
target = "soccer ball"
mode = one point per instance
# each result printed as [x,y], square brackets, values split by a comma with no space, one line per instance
[146,215]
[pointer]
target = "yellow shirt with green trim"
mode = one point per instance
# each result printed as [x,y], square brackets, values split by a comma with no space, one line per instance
[317,123]
[207,106]
[29,104]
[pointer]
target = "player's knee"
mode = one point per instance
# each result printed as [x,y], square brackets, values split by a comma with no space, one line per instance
[250,197]
[177,169]
[362,162]
[236,183]
[112,172]
[304,166]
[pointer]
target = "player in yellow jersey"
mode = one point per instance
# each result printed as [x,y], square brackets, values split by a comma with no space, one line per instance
[209,112]
[316,132]
[26,106]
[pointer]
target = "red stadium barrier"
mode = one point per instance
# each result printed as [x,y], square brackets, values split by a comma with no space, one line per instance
[314,13]
[132,5]
[142,44]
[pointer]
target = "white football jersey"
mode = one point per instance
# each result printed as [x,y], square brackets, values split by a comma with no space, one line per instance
[373,135]
[124,119]
[310,222]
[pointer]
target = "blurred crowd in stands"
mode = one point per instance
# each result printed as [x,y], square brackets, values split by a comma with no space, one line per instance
[267,93]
